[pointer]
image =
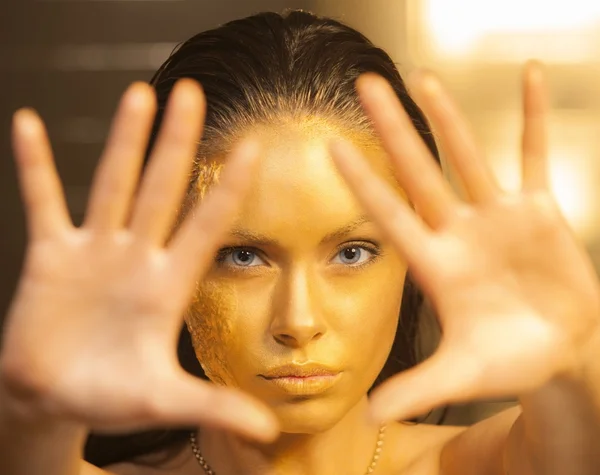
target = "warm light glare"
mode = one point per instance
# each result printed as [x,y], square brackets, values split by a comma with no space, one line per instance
[500,30]
[573,186]
[575,192]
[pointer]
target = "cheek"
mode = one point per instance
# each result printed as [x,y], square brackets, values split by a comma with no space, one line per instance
[370,307]
[209,320]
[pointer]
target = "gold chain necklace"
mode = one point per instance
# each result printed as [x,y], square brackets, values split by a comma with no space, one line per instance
[371,468]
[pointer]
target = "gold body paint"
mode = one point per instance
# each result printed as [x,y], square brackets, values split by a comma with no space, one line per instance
[209,324]
[299,302]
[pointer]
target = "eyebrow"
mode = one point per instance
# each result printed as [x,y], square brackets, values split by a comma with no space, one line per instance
[345,230]
[253,238]
[261,240]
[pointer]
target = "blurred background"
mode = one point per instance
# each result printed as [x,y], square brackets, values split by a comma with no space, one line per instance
[71,60]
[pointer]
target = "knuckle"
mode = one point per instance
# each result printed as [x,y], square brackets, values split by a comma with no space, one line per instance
[22,381]
[147,408]
[149,405]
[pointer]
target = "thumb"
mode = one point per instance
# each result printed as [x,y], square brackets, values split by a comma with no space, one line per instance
[188,400]
[446,377]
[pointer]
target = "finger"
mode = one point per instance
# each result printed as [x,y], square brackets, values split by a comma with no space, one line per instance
[390,212]
[535,135]
[456,137]
[118,171]
[443,379]
[416,170]
[45,206]
[166,179]
[187,400]
[196,242]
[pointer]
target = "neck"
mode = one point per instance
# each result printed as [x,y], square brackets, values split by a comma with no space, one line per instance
[347,447]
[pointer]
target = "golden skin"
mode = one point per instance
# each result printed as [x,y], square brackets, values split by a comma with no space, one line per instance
[299,300]
[211,330]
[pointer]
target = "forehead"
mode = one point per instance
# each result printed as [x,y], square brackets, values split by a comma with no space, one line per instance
[297,186]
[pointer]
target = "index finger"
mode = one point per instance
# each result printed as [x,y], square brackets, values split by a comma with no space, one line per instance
[415,168]
[195,243]
[404,227]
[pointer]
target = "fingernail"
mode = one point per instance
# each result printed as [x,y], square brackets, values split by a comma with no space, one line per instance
[340,147]
[137,94]
[378,414]
[249,146]
[431,85]
[267,427]
[27,121]
[535,70]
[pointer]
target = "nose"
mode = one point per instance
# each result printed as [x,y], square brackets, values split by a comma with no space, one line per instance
[296,320]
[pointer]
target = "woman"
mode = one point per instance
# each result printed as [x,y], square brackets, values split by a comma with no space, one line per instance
[313,229]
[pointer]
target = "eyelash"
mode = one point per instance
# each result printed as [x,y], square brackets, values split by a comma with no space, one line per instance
[369,246]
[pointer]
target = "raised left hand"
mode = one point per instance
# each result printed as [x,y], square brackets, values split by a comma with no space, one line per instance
[515,292]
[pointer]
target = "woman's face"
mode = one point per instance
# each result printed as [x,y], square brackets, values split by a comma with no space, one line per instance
[301,306]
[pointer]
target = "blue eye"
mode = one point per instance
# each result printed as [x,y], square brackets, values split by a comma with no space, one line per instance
[353,255]
[240,258]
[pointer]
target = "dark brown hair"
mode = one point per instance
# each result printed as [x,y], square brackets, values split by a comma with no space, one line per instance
[261,69]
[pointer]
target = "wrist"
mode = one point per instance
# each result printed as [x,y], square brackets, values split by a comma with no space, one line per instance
[560,423]
[34,444]
[18,414]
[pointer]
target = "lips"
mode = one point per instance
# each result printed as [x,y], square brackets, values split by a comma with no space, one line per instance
[299,371]
[302,379]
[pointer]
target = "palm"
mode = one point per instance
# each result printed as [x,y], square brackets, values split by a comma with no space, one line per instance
[524,293]
[92,331]
[515,293]
[129,299]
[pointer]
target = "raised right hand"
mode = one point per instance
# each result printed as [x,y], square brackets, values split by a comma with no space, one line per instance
[91,333]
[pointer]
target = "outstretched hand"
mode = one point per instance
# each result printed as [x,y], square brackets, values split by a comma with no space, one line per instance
[91,335]
[515,293]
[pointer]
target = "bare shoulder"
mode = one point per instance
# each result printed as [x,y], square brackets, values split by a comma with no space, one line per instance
[474,450]
[422,449]
[155,464]
[129,468]
[125,469]
[406,445]
[89,469]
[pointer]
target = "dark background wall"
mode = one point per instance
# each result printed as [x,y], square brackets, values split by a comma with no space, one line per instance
[71,60]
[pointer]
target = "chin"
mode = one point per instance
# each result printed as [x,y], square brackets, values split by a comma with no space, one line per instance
[310,407]
[309,415]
